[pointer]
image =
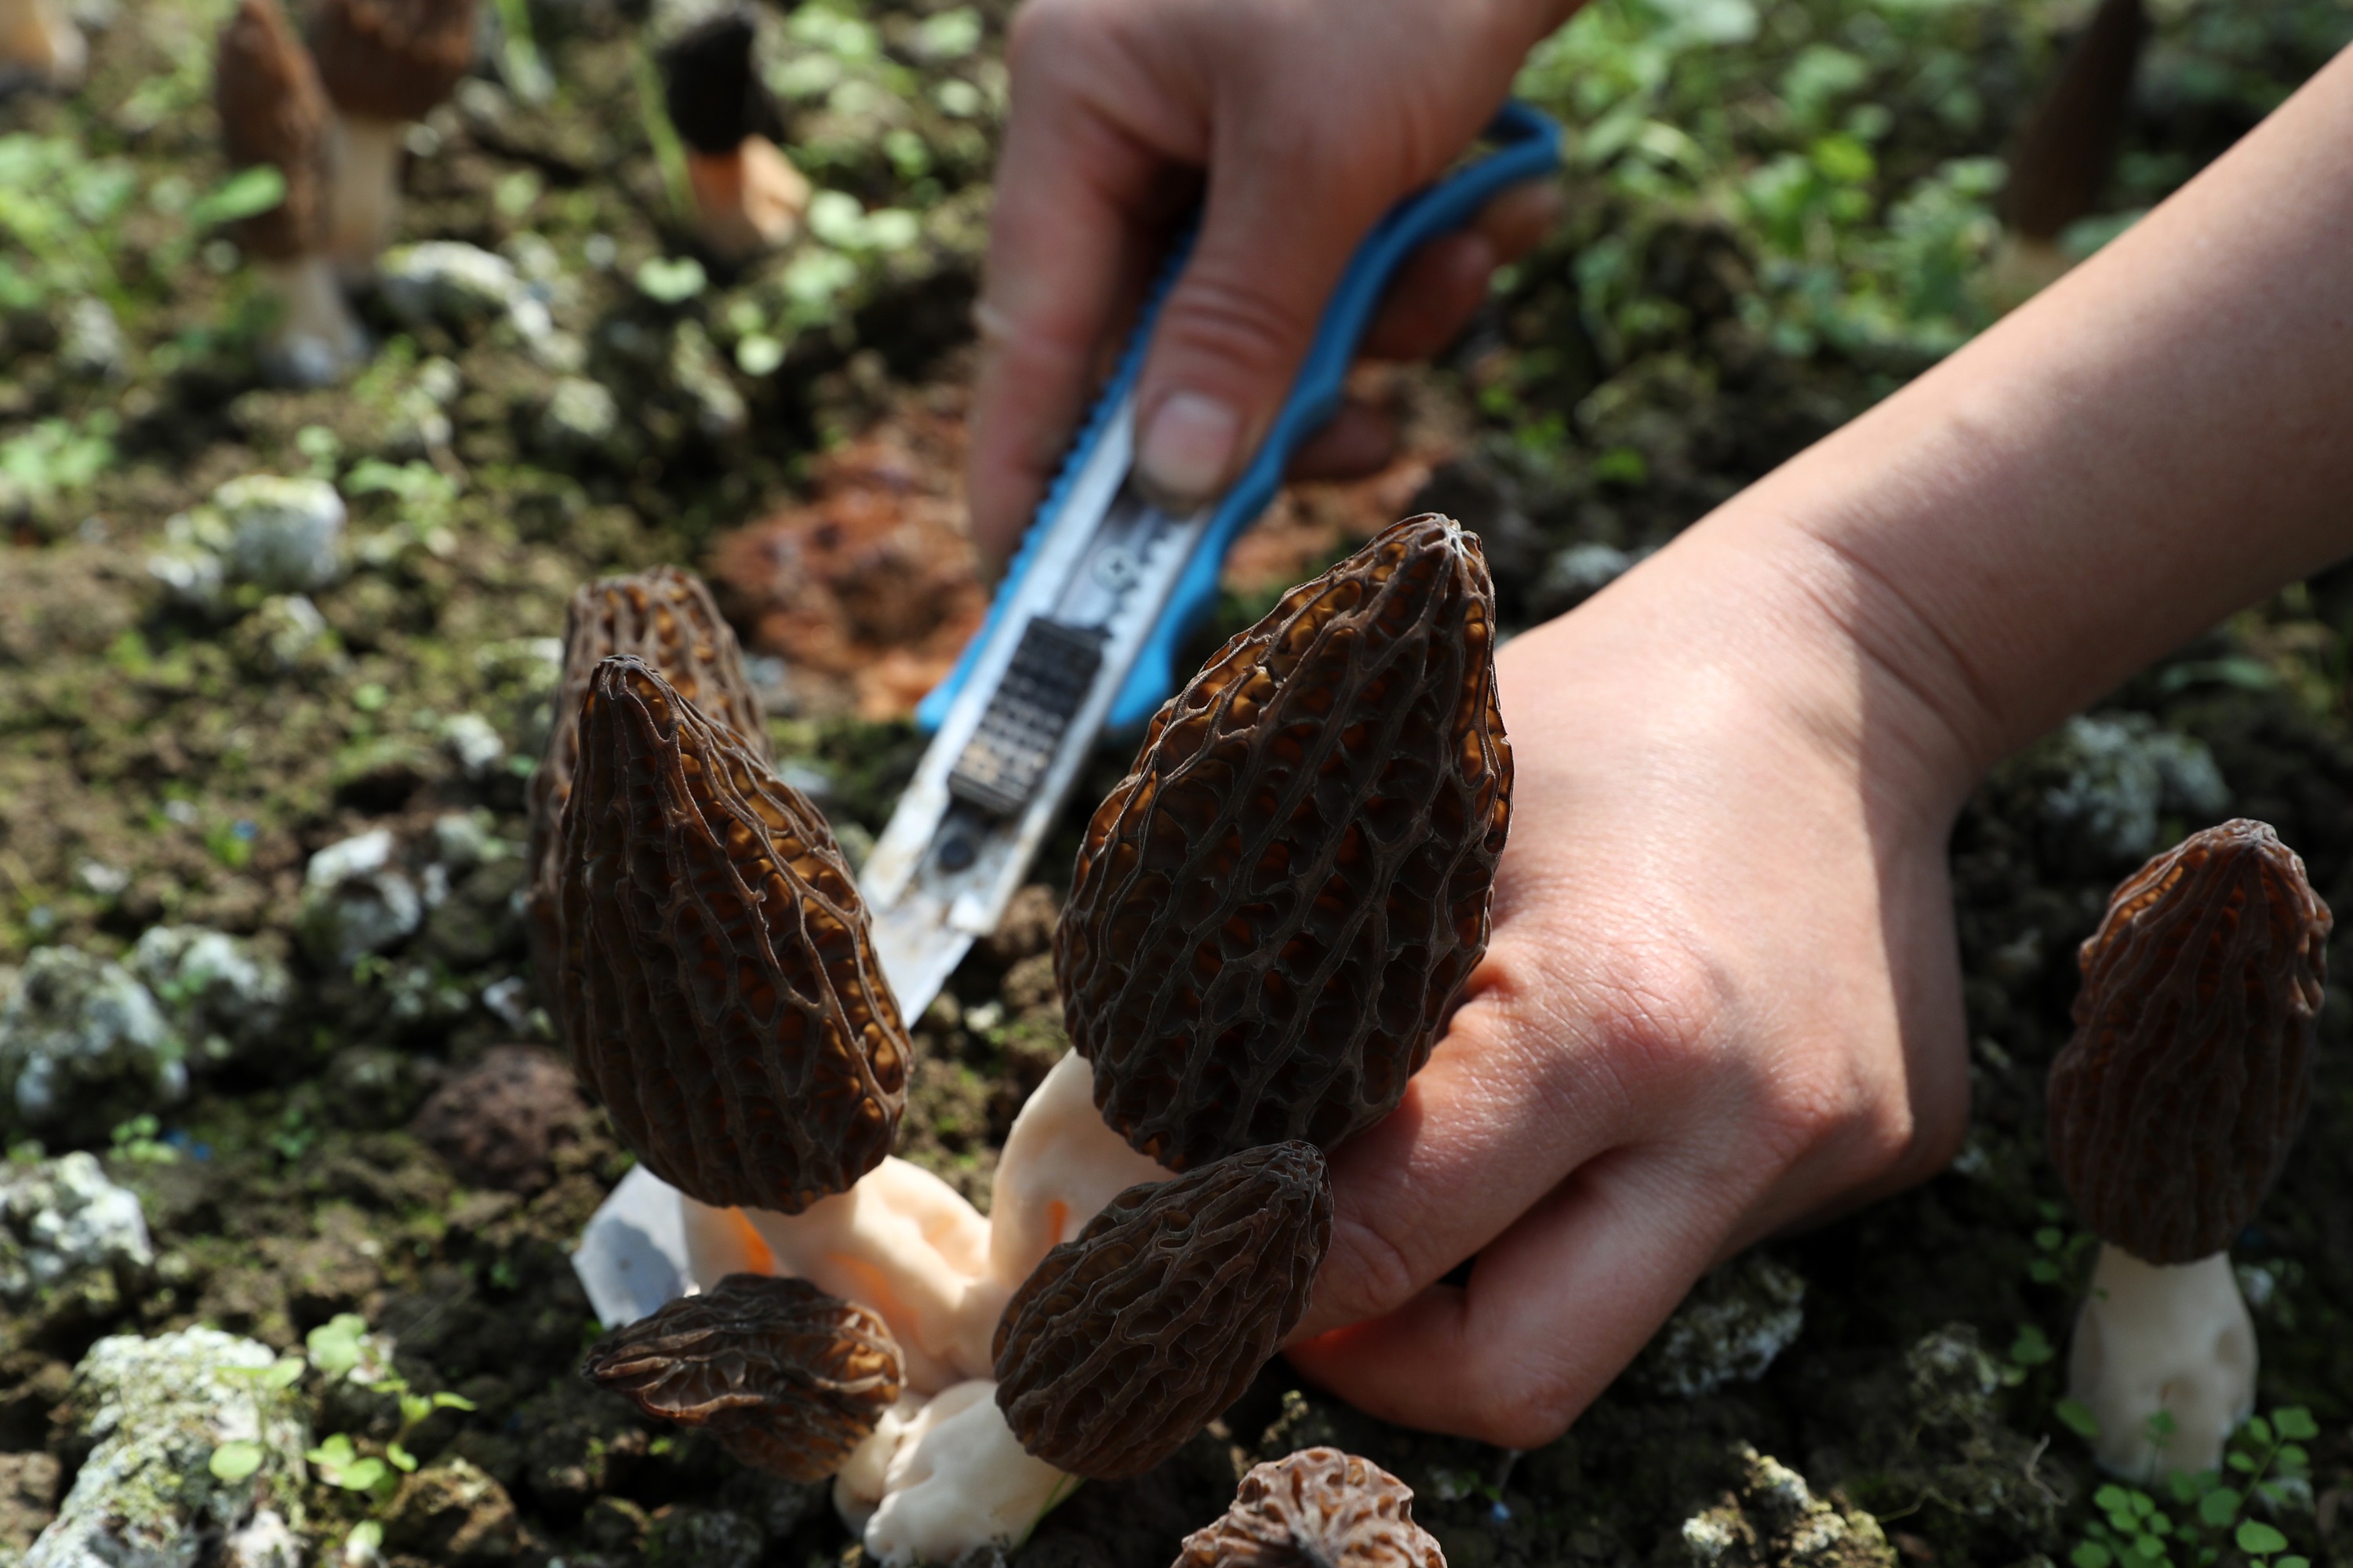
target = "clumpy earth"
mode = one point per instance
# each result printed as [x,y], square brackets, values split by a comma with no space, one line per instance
[293,1175]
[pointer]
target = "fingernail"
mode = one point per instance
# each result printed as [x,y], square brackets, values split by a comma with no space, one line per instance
[1187,446]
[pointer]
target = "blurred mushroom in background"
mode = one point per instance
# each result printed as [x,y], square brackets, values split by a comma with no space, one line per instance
[748,198]
[2065,151]
[273,112]
[39,43]
[385,63]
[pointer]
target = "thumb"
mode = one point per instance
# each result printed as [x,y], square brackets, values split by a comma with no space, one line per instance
[1273,245]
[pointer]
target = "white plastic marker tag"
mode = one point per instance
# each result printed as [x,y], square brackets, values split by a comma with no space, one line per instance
[632,1256]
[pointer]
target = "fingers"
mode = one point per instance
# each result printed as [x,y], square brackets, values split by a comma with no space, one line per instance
[1555,1308]
[1359,439]
[1443,285]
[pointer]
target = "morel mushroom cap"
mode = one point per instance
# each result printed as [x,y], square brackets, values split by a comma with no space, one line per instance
[720,990]
[666,617]
[1126,1341]
[391,59]
[1316,1508]
[1272,913]
[2173,1107]
[714,97]
[273,111]
[788,1378]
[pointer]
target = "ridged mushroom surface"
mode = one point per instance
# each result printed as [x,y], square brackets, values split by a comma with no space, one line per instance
[2173,1107]
[1125,1341]
[719,988]
[391,59]
[666,617]
[788,1378]
[1272,914]
[1316,1508]
[274,112]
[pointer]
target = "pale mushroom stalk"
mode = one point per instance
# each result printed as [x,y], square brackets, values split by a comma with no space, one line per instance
[38,40]
[385,63]
[748,198]
[2172,1111]
[943,1474]
[364,205]
[273,112]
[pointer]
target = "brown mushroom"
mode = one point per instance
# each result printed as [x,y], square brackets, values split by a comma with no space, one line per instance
[719,987]
[385,63]
[1272,913]
[40,42]
[273,112]
[2066,148]
[748,198]
[2172,1111]
[1316,1508]
[788,1378]
[666,617]
[1128,1341]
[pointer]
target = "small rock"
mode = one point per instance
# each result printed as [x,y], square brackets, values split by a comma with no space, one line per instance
[463,840]
[357,901]
[581,417]
[685,1536]
[472,740]
[1575,575]
[1775,1520]
[446,280]
[92,345]
[83,1045]
[2120,773]
[29,1500]
[284,534]
[1730,1328]
[452,1512]
[224,995]
[285,635]
[62,1225]
[156,1412]
[496,1122]
[190,574]
[265,1541]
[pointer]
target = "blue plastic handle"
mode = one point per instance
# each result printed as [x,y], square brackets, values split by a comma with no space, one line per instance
[1528,147]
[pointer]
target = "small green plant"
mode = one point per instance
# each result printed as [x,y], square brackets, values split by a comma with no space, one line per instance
[135,1141]
[2201,1517]
[336,1349]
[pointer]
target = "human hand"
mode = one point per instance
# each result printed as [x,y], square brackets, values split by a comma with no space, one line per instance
[1309,118]
[1722,997]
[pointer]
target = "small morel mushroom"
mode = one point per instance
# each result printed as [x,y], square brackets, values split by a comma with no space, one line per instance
[2066,149]
[1126,1341]
[273,112]
[385,63]
[39,42]
[2171,1114]
[1316,1508]
[790,1378]
[748,198]
[718,986]
[665,617]
[1272,914]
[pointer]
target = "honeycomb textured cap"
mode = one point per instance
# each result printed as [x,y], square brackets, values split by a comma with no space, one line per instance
[1273,911]
[273,111]
[789,1378]
[2173,1107]
[1316,1508]
[1127,1340]
[667,617]
[391,59]
[719,987]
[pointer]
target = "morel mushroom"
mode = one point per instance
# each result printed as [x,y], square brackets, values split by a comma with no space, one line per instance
[748,198]
[385,63]
[1316,1508]
[1060,1167]
[39,41]
[273,112]
[791,1379]
[1126,1341]
[2171,1114]
[1272,914]
[2066,150]
[667,617]
[718,985]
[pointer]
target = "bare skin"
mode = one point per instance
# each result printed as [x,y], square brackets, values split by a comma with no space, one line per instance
[1723,996]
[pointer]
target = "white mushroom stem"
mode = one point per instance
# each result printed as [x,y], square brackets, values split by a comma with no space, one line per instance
[939,1477]
[38,38]
[748,200]
[1061,1164]
[316,338]
[2176,1339]
[363,190]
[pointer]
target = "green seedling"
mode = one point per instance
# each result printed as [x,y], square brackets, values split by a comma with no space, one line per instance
[2199,1519]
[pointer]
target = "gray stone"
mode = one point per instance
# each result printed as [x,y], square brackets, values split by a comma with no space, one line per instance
[1575,575]
[285,633]
[83,1045]
[62,1222]
[1731,1328]
[155,1411]
[355,901]
[92,345]
[284,534]
[475,744]
[447,279]
[223,995]
[580,417]
[2121,773]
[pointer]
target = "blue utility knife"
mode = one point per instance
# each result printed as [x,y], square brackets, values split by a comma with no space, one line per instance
[1083,633]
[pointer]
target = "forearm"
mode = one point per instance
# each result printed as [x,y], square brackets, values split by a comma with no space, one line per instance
[2161,438]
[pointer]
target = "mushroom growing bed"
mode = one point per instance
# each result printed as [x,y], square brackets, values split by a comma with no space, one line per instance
[268,752]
